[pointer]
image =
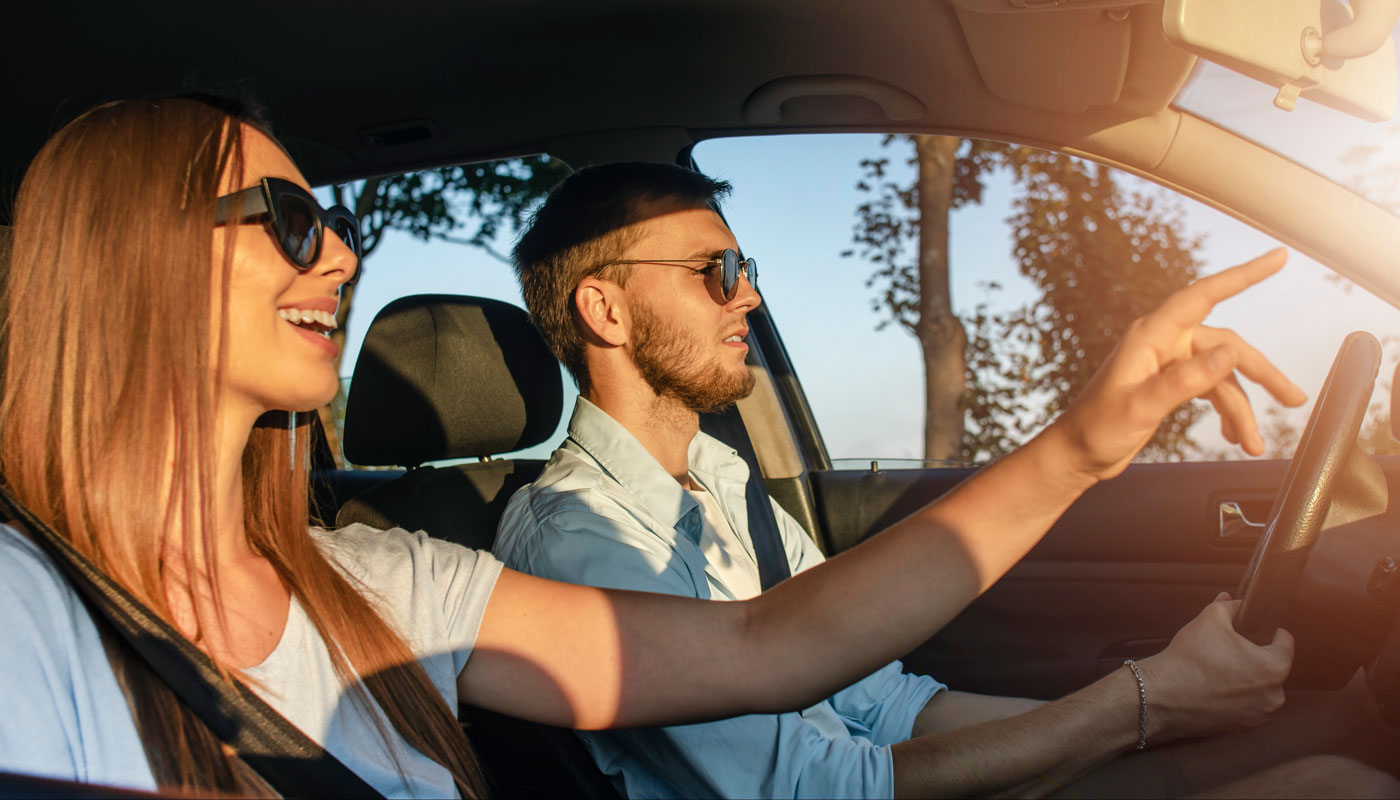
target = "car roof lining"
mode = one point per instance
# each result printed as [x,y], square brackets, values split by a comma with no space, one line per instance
[622,79]
[516,83]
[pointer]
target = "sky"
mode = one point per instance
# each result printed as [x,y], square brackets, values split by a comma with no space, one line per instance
[793,211]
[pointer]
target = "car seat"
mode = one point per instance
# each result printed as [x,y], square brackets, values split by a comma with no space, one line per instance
[445,377]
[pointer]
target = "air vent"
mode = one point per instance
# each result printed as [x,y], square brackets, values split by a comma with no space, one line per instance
[395,134]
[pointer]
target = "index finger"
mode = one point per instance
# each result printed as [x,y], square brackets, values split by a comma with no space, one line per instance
[1189,307]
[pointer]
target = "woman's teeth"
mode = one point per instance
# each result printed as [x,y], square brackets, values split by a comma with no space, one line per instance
[320,321]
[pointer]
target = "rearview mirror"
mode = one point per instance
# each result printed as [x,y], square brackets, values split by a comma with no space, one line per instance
[1314,48]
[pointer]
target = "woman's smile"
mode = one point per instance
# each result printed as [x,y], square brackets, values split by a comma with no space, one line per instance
[314,320]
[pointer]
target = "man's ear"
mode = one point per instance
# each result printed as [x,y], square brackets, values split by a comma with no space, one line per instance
[600,307]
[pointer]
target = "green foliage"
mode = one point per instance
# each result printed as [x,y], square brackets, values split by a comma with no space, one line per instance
[435,203]
[1101,254]
[1102,257]
[999,399]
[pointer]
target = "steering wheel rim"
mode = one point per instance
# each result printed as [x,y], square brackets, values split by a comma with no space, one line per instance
[1301,507]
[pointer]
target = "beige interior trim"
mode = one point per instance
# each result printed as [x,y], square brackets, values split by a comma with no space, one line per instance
[774,441]
[1293,204]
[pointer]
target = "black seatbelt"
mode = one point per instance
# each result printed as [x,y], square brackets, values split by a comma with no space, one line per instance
[290,762]
[768,550]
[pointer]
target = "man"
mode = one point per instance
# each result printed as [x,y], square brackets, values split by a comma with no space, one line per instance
[637,286]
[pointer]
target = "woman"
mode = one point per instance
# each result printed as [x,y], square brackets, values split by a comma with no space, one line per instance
[161,324]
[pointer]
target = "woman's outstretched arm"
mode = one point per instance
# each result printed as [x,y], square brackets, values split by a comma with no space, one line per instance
[592,658]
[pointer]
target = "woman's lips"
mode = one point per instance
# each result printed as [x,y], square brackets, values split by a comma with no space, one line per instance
[320,340]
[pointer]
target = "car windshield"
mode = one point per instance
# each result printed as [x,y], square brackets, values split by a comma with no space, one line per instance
[1362,156]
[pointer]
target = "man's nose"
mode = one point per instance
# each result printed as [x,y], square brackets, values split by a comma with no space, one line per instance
[746,297]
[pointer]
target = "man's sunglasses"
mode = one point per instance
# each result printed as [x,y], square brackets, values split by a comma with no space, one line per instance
[296,219]
[731,268]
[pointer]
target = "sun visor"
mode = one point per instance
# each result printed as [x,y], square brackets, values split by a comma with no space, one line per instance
[1101,55]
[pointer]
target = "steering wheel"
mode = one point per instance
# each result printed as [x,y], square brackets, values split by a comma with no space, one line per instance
[1326,453]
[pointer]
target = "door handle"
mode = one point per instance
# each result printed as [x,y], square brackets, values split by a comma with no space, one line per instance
[1235,527]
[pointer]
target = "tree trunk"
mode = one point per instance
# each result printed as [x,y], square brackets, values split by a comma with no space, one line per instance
[939,330]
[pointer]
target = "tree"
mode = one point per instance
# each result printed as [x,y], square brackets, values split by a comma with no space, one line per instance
[1100,253]
[436,204]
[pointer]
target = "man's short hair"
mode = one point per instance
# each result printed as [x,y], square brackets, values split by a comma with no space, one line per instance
[587,221]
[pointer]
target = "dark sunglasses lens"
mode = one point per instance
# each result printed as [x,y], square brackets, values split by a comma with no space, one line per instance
[345,229]
[298,227]
[729,273]
[751,271]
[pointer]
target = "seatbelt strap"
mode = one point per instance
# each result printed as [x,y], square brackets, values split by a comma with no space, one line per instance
[290,762]
[768,550]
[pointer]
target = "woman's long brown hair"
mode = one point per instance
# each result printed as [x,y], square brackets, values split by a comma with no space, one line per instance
[115,328]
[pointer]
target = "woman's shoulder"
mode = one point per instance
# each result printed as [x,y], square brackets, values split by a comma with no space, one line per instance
[66,716]
[363,549]
[436,590]
[45,619]
[394,560]
[31,586]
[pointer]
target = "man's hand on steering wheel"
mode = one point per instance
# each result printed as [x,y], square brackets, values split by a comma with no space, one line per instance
[1212,680]
[1165,359]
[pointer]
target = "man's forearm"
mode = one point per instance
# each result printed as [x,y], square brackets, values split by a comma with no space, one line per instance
[950,710]
[1028,755]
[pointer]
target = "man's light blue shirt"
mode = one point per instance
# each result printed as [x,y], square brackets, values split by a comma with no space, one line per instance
[605,513]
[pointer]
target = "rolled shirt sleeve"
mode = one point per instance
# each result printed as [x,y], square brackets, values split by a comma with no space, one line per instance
[883,705]
[760,755]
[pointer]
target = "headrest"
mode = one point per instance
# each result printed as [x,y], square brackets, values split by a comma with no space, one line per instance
[441,376]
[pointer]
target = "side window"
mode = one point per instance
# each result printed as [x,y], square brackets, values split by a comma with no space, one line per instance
[446,231]
[943,299]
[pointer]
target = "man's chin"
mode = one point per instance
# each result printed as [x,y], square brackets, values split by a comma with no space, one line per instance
[712,399]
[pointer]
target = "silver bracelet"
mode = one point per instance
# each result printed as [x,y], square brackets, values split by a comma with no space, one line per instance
[1142,704]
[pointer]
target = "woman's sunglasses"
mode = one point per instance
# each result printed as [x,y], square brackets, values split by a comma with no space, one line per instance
[731,268]
[296,219]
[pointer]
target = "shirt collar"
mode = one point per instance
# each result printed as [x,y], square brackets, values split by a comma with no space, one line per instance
[626,461]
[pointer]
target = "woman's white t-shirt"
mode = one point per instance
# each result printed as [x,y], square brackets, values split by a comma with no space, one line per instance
[65,716]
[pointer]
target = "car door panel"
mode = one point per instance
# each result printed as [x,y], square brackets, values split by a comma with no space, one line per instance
[1126,566]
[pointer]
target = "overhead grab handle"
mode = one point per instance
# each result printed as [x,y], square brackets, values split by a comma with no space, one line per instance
[765,105]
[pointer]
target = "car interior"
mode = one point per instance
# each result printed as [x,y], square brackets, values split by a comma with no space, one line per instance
[367,90]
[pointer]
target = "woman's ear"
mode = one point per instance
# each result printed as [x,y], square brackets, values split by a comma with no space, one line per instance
[600,307]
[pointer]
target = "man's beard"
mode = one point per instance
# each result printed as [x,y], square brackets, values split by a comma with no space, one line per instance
[672,366]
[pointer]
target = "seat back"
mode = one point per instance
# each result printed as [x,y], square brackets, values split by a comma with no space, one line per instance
[462,503]
[444,377]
